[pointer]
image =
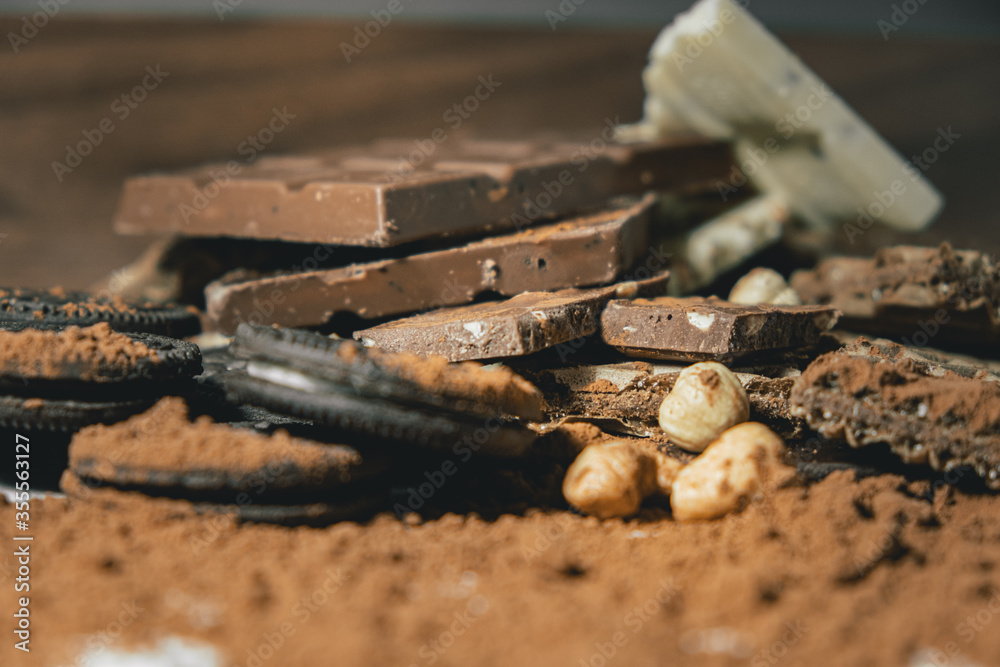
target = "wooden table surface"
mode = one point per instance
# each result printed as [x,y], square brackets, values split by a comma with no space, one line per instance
[224,80]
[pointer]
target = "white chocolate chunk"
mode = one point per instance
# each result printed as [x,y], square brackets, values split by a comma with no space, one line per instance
[717,71]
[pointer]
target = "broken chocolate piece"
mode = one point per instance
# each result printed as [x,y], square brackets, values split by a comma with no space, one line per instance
[698,329]
[945,420]
[371,196]
[585,250]
[631,392]
[527,323]
[937,296]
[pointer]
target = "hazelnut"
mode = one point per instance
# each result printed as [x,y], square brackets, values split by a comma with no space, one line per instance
[706,400]
[611,479]
[763,285]
[745,460]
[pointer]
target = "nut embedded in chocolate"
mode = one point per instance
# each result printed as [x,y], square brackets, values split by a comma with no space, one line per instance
[699,329]
[527,323]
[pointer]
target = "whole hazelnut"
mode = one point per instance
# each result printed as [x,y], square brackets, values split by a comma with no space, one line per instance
[763,285]
[706,400]
[609,479]
[744,461]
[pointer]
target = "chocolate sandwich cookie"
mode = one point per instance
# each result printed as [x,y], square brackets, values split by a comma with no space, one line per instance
[877,394]
[57,308]
[162,453]
[318,513]
[372,196]
[426,401]
[699,329]
[62,379]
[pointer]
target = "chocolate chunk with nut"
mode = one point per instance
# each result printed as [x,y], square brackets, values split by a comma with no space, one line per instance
[936,296]
[527,323]
[700,329]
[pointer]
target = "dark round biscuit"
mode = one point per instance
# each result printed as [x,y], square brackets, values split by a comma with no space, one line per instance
[334,405]
[162,452]
[464,388]
[94,377]
[361,506]
[65,415]
[59,308]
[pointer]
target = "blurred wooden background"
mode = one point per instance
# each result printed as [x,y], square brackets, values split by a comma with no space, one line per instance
[225,78]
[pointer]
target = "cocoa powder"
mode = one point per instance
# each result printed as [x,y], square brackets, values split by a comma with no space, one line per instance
[91,353]
[163,439]
[872,572]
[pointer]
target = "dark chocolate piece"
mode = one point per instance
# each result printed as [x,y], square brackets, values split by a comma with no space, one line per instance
[871,395]
[371,196]
[699,329]
[585,250]
[936,296]
[522,325]
[27,307]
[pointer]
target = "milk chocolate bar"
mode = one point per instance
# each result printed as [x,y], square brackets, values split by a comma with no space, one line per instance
[585,250]
[698,329]
[527,323]
[922,294]
[878,394]
[374,196]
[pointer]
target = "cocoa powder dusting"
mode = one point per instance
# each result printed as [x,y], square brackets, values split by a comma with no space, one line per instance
[164,439]
[500,386]
[871,572]
[92,353]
